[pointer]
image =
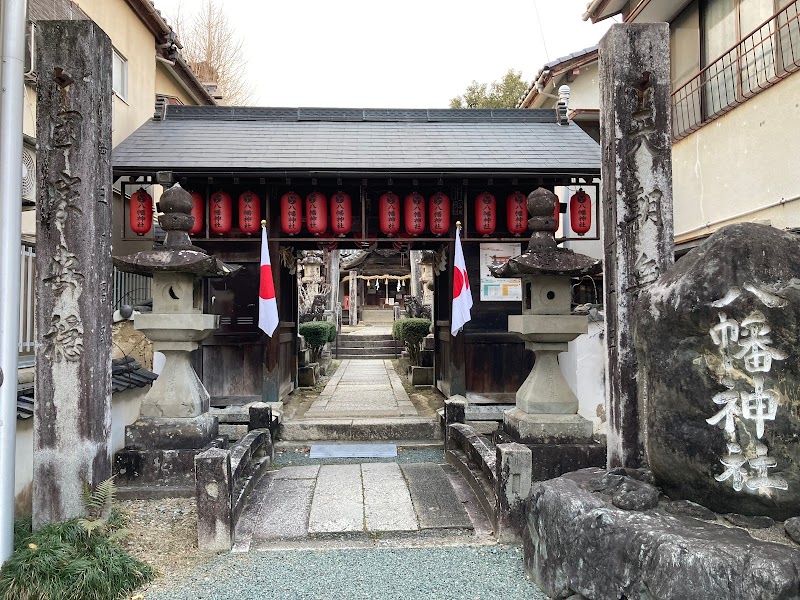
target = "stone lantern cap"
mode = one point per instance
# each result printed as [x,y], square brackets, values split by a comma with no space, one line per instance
[177,255]
[543,256]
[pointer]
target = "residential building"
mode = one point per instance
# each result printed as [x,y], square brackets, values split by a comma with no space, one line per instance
[735,110]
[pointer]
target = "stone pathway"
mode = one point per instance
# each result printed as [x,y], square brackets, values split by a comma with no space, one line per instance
[363,388]
[361,502]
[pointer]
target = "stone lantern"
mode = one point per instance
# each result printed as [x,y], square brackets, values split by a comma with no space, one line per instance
[546,408]
[174,413]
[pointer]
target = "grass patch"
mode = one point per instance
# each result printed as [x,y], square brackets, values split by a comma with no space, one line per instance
[64,561]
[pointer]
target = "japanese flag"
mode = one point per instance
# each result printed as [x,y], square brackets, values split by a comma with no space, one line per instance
[267,305]
[462,295]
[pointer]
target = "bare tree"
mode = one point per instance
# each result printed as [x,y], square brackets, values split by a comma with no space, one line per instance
[215,51]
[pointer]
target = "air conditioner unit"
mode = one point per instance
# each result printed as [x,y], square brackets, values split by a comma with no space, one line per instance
[28,177]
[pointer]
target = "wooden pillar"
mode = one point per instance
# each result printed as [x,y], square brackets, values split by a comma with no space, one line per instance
[72,424]
[637,209]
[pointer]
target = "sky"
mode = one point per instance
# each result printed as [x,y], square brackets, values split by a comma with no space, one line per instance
[409,54]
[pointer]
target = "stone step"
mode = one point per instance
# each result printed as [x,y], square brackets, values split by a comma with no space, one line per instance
[356,344]
[372,429]
[369,352]
[366,337]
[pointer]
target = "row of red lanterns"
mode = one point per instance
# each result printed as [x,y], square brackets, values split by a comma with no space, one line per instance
[316,210]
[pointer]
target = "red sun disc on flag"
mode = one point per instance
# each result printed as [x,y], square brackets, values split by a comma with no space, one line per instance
[458,282]
[266,290]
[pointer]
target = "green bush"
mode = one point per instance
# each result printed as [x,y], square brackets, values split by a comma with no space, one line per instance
[64,561]
[411,332]
[317,334]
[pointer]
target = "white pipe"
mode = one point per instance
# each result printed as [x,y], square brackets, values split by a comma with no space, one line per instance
[746,213]
[11,111]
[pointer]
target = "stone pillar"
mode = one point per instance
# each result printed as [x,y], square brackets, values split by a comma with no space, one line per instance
[214,500]
[72,426]
[353,298]
[513,484]
[637,209]
[455,409]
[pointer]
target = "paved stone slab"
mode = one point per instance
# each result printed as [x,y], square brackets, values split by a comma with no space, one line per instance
[387,501]
[303,472]
[283,511]
[353,450]
[337,506]
[434,500]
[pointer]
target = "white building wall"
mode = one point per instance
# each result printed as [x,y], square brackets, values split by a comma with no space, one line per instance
[583,366]
[741,167]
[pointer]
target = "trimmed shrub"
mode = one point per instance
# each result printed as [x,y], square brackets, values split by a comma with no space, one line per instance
[66,561]
[317,334]
[411,332]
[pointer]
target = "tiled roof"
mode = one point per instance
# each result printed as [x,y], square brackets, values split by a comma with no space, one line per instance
[227,139]
[126,373]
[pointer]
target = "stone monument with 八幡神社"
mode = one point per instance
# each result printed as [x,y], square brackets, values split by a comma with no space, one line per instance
[717,339]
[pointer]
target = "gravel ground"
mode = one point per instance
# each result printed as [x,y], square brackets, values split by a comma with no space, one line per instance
[468,573]
[297,458]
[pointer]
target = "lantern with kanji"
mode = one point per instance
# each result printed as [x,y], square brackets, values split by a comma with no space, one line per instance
[291,213]
[414,213]
[580,212]
[341,213]
[389,213]
[517,213]
[198,208]
[221,213]
[440,213]
[485,213]
[316,213]
[141,212]
[249,213]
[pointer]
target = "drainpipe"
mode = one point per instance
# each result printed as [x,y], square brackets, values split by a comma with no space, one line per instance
[12,42]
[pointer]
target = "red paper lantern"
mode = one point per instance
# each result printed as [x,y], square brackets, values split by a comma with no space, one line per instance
[517,213]
[316,213]
[198,208]
[440,213]
[291,213]
[341,213]
[414,213]
[221,213]
[580,212]
[389,213]
[249,213]
[557,214]
[485,213]
[141,212]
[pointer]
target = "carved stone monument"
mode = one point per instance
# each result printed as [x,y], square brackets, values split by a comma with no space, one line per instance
[546,408]
[72,425]
[174,414]
[637,207]
[718,338]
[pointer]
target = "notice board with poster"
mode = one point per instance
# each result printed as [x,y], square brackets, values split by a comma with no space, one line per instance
[494,289]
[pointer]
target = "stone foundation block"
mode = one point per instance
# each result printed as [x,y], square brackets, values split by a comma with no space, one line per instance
[553,460]
[166,433]
[547,428]
[308,376]
[421,376]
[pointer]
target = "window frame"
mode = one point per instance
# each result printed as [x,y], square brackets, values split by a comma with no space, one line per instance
[119,58]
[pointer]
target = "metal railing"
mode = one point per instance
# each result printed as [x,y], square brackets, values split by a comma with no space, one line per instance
[758,61]
[128,289]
